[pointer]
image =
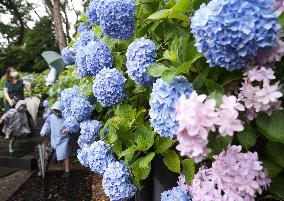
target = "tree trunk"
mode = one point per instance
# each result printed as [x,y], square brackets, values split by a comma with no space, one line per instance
[60,36]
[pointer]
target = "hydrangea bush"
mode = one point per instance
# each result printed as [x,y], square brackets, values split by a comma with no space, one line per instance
[192,83]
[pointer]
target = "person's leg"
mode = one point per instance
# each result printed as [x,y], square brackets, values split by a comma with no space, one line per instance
[12,141]
[66,174]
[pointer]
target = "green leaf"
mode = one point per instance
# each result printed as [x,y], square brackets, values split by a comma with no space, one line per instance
[144,139]
[199,81]
[136,183]
[272,169]
[125,116]
[117,147]
[172,161]
[157,70]
[217,96]
[213,86]
[276,187]
[169,75]
[161,14]
[141,168]
[229,76]
[281,20]
[170,55]
[274,152]
[188,169]
[272,127]
[247,137]
[218,143]
[162,144]
[128,154]
[182,6]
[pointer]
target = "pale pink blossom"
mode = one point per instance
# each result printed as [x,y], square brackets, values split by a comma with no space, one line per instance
[228,123]
[260,74]
[181,183]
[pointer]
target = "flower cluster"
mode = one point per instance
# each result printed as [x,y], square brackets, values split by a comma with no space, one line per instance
[117,183]
[163,100]
[83,156]
[92,12]
[81,109]
[68,55]
[232,33]
[198,116]
[71,124]
[83,27]
[140,55]
[94,57]
[100,156]
[108,87]
[182,184]
[89,132]
[258,93]
[224,181]
[175,194]
[117,18]
[83,40]
[45,103]
[67,96]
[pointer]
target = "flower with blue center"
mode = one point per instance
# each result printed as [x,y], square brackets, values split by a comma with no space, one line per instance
[84,39]
[117,18]
[140,55]
[68,55]
[231,33]
[81,108]
[89,132]
[71,124]
[175,194]
[163,101]
[109,87]
[82,155]
[117,182]
[95,57]
[83,27]
[92,12]
[45,103]
[100,156]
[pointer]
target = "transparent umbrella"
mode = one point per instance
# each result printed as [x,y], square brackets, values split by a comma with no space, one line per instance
[41,149]
[54,59]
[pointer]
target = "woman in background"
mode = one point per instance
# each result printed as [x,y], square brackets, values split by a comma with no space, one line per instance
[14,88]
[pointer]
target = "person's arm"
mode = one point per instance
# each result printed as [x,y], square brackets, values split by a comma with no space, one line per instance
[46,128]
[7,97]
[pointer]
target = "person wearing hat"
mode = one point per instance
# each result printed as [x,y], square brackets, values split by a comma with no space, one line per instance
[60,140]
[15,123]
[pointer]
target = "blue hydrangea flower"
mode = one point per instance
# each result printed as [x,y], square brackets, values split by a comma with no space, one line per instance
[45,103]
[68,55]
[117,18]
[95,57]
[67,95]
[71,124]
[83,27]
[81,108]
[163,100]
[82,155]
[92,12]
[84,39]
[100,156]
[89,132]
[230,33]
[140,55]
[175,194]
[109,87]
[117,183]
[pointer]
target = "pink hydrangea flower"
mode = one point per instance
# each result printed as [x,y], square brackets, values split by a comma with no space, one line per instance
[279,5]
[181,183]
[258,93]
[234,176]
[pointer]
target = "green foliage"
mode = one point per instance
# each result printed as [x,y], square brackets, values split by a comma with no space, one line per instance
[141,168]
[277,187]
[275,152]
[272,127]
[247,137]
[172,161]
[188,169]
[162,144]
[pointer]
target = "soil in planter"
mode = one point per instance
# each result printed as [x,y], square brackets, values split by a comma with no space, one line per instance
[54,188]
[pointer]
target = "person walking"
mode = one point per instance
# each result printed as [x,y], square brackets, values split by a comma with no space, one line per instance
[60,139]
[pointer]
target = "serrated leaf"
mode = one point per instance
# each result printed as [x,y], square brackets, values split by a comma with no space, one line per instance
[247,137]
[162,144]
[161,14]
[141,168]
[188,169]
[172,161]
[169,75]
[128,154]
[272,127]
[182,6]
[275,152]
[218,143]
[272,169]
[136,183]
[125,116]
[144,138]
[157,70]
[211,85]
[117,147]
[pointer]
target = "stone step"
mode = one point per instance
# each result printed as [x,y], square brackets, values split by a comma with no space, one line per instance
[27,162]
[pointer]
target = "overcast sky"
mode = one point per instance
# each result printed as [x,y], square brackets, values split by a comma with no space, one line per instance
[41,11]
